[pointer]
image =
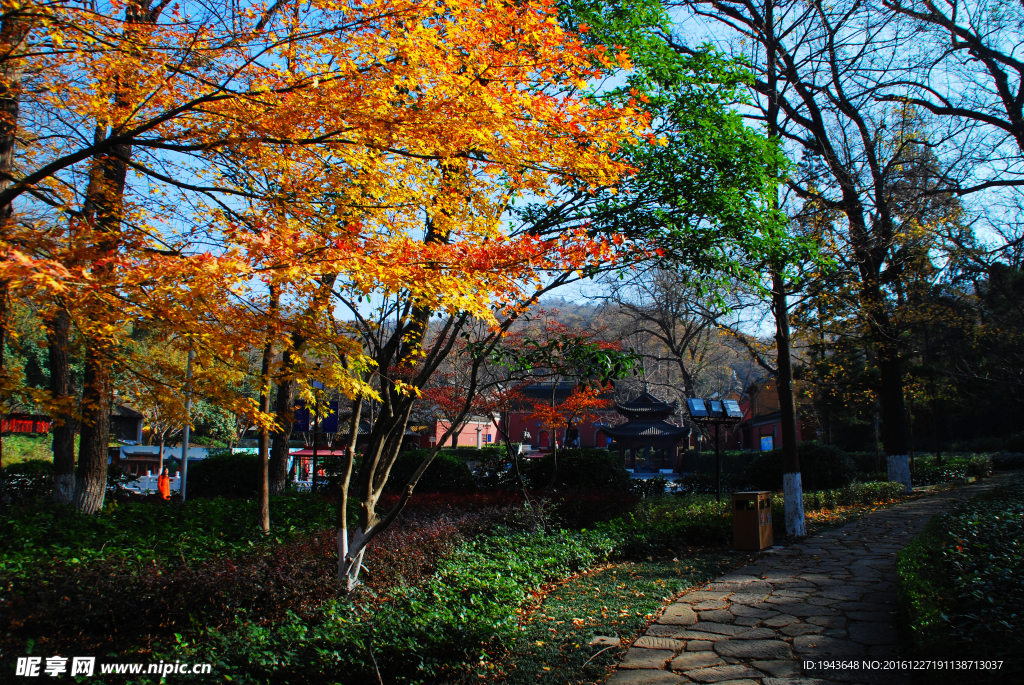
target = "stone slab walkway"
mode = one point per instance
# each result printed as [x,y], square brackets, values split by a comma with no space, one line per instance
[829,598]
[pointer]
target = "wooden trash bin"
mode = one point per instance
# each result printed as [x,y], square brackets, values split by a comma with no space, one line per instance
[751,520]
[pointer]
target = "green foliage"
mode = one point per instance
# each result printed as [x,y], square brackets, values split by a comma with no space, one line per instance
[422,634]
[864,494]
[822,467]
[467,453]
[579,469]
[959,581]
[446,473]
[734,462]
[649,487]
[224,475]
[39,533]
[670,524]
[211,423]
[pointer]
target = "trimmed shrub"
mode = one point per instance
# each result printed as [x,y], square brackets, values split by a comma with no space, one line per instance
[447,473]
[706,484]
[822,467]
[959,583]
[580,469]
[224,475]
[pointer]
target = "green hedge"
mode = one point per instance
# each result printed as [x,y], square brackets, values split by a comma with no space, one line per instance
[580,469]
[446,473]
[959,583]
[224,475]
[822,467]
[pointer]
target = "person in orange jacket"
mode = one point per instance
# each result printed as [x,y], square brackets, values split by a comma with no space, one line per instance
[163,484]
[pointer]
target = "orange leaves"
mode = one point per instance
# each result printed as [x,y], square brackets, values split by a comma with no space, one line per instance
[582,405]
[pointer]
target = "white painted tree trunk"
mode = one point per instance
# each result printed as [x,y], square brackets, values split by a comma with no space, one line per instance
[348,570]
[793,497]
[899,470]
[64,484]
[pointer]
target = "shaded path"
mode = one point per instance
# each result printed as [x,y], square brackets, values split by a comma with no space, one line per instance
[831,597]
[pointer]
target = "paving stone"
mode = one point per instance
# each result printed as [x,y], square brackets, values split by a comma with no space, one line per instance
[717,674]
[847,593]
[748,597]
[835,632]
[646,658]
[804,610]
[821,601]
[719,628]
[690,661]
[712,604]
[780,621]
[872,633]
[657,630]
[716,616]
[817,646]
[695,635]
[701,595]
[802,629]
[778,669]
[747,621]
[876,616]
[744,610]
[754,649]
[790,593]
[645,678]
[605,641]
[756,634]
[647,642]
[795,681]
[754,587]
[741,681]
[699,646]
[828,621]
[678,615]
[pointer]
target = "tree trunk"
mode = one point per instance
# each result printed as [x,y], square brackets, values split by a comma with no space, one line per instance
[282,437]
[894,437]
[348,574]
[793,492]
[91,477]
[264,446]
[160,464]
[58,342]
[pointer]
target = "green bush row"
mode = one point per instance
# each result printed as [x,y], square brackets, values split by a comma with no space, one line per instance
[959,581]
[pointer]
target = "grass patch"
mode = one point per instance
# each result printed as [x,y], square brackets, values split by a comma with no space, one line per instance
[22,448]
[618,600]
[42,533]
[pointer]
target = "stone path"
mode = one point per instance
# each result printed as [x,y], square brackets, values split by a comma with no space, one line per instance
[830,598]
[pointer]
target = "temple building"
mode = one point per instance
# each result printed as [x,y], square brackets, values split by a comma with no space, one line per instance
[647,442]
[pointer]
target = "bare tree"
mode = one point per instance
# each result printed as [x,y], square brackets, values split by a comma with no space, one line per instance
[825,69]
[669,323]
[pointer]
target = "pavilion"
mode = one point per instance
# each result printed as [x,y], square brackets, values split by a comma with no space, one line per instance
[647,442]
